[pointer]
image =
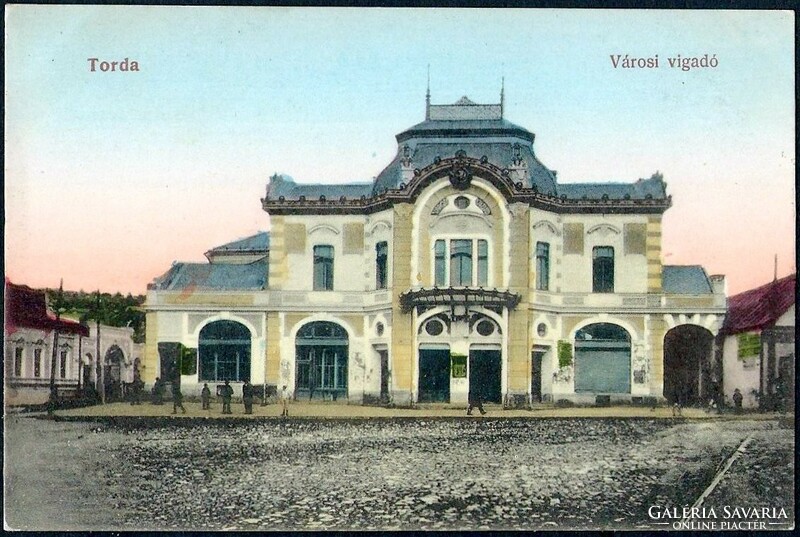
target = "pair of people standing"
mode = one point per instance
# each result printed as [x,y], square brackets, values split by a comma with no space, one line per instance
[226,392]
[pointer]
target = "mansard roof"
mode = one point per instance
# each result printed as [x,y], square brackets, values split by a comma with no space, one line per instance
[477,132]
[213,276]
[685,280]
[653,187]
[258,243]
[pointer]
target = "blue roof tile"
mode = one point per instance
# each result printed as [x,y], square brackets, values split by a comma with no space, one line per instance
[214,276]
[685,280]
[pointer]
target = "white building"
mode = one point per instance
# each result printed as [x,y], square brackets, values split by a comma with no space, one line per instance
[758,346]
[464,266]
[29,336]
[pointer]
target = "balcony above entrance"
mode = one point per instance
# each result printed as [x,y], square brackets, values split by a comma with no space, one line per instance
[458,298]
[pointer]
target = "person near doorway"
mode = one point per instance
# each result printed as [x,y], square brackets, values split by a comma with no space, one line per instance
[158,392]
[205,397]
[136,391]
[247,397]
[285,401]
[475,401]
[177,398]
[226,391]
[737,401]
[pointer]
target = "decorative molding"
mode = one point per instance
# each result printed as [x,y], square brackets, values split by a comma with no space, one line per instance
[548,225]
[439,206]
[483,206]
[379,223]
[320,227]
[603,228]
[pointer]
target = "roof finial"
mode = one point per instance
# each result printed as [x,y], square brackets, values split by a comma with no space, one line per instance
[428,96]
[502,95]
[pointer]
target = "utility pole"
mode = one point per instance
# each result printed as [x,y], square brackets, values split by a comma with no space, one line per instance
[57,308]
[101,389]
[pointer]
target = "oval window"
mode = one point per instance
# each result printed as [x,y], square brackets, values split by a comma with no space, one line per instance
[434,327]
[485,328]
[462,202]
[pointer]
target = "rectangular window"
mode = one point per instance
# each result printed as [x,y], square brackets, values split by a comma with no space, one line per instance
[460,262]
[381,265]
[542,266]
[323,268]
[483,262]
[439,256]
[62,369]
[603,269]
[37,362]
[18,362]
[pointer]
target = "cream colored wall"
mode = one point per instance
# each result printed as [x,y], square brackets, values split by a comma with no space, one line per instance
[787,319]
[350,271]
[573,273]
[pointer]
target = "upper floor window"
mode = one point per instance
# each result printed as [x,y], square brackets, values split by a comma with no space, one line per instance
[603,269]
[62,370]
[465,260]
[542,266]
[18,361]
[381,265]
[323,268]
[37,362]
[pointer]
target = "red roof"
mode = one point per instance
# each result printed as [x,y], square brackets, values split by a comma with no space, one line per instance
[759,308]
[27,308]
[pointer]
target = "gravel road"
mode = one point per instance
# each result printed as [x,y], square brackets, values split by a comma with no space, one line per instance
[408,474]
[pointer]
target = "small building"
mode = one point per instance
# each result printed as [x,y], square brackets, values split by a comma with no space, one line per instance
[30,333]
[29,336]
[758,343]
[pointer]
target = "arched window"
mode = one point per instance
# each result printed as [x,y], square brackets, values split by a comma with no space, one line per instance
[224,349]
[602,359]
[542,266]
[321,367]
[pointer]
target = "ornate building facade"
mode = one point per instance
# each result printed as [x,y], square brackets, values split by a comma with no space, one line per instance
[465,266]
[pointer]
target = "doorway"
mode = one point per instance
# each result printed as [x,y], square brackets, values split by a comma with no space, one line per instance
[536,376]
[484,374]
[434,376]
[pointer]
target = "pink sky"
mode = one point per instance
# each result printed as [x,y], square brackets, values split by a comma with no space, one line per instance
[109,178]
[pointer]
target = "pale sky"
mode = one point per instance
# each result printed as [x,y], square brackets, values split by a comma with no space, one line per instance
[110,177]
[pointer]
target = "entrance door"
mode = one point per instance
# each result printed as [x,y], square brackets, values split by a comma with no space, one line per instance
[484,374]
[536,376]
[384,376]
[434,375]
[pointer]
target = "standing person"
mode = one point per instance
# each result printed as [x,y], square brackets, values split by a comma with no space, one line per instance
[737,401]
[475,400]
[205,397]
[247,397]
[158,392]
[780,393]
[227,393]
[138,385]
[285,401]
[177,398]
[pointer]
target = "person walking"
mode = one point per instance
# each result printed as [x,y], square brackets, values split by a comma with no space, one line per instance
[205,397]
[737,401]
[475,400]
[227,393]
[247,397]
[177,398]
[285,401]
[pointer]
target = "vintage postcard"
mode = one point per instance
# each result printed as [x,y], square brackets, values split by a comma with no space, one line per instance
[300,269]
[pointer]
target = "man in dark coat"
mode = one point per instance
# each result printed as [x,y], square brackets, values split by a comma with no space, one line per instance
[177,398]
[205,397]
[247,397]
[227,393]
[475,400]
[158,392]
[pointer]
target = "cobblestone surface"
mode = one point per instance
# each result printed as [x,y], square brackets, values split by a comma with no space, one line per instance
[404,474]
